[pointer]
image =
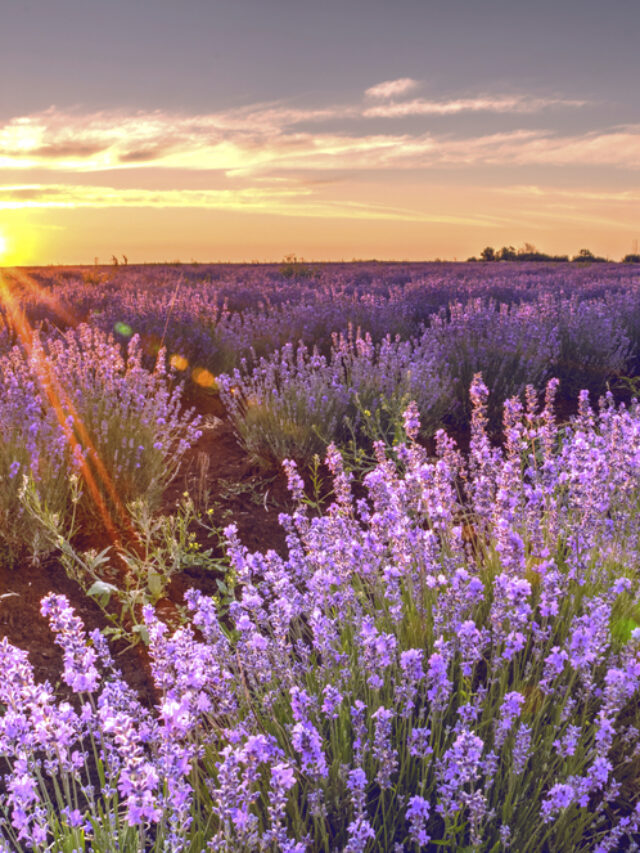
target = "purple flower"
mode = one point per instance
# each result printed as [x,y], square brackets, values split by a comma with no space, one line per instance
[417,814]
[332,700]
[509,711]
[553,667]
[598,774]
[139,780]
[282,781]
[73,817]
[460,767]
[567,744]
[383,749]
[360,833]
[419,742]
[300,704]
[439,683]
[308,743]
[521,749]
[471,643]
[411,674]
[589,638]
[360,829]
[295,483]
[282,777]
[358,721]
[80,672]
[560,797]
[510,611]
[411,418]
[357,783]
[27,816]
[379,651]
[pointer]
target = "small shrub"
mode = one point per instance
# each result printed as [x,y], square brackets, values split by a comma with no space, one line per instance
[507,344]
[74,404]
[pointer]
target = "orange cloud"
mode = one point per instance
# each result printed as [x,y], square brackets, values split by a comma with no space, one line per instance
[299,162]
[596,196]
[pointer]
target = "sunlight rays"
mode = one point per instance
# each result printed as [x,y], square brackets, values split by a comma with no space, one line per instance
[66,413]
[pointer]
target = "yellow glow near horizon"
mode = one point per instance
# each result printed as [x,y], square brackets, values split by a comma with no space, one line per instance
[11,249]
[20,238]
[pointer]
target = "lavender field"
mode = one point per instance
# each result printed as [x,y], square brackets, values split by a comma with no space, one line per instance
[356,546]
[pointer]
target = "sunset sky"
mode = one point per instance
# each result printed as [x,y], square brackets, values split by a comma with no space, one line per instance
[252,129]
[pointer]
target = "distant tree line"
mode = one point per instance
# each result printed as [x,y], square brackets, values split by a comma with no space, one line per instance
[529,253]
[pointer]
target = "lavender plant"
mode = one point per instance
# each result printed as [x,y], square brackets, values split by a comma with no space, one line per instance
[450,662]
[74,405]
[296,402]
[214,315]
[507,344]
[594,343]
[289,405]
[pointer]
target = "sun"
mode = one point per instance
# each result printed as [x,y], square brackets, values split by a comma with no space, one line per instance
[4,245]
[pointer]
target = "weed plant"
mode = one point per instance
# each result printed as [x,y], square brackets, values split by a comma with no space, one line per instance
[123,579]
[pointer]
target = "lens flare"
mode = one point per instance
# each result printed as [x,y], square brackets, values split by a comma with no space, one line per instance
[201,376]
[178,362]
[123,329]
[95,475]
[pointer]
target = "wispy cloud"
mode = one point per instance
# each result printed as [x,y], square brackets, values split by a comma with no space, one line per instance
[284,160]
[392,88]
[617,146]
[77,195]
[545,193]
[577,216]
[543,205]
[293,201]
[486,103]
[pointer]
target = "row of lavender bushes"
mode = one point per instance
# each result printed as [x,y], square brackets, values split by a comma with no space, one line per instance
[214,316]
[75,409]
[295,401]
[290,389]
[450,663]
